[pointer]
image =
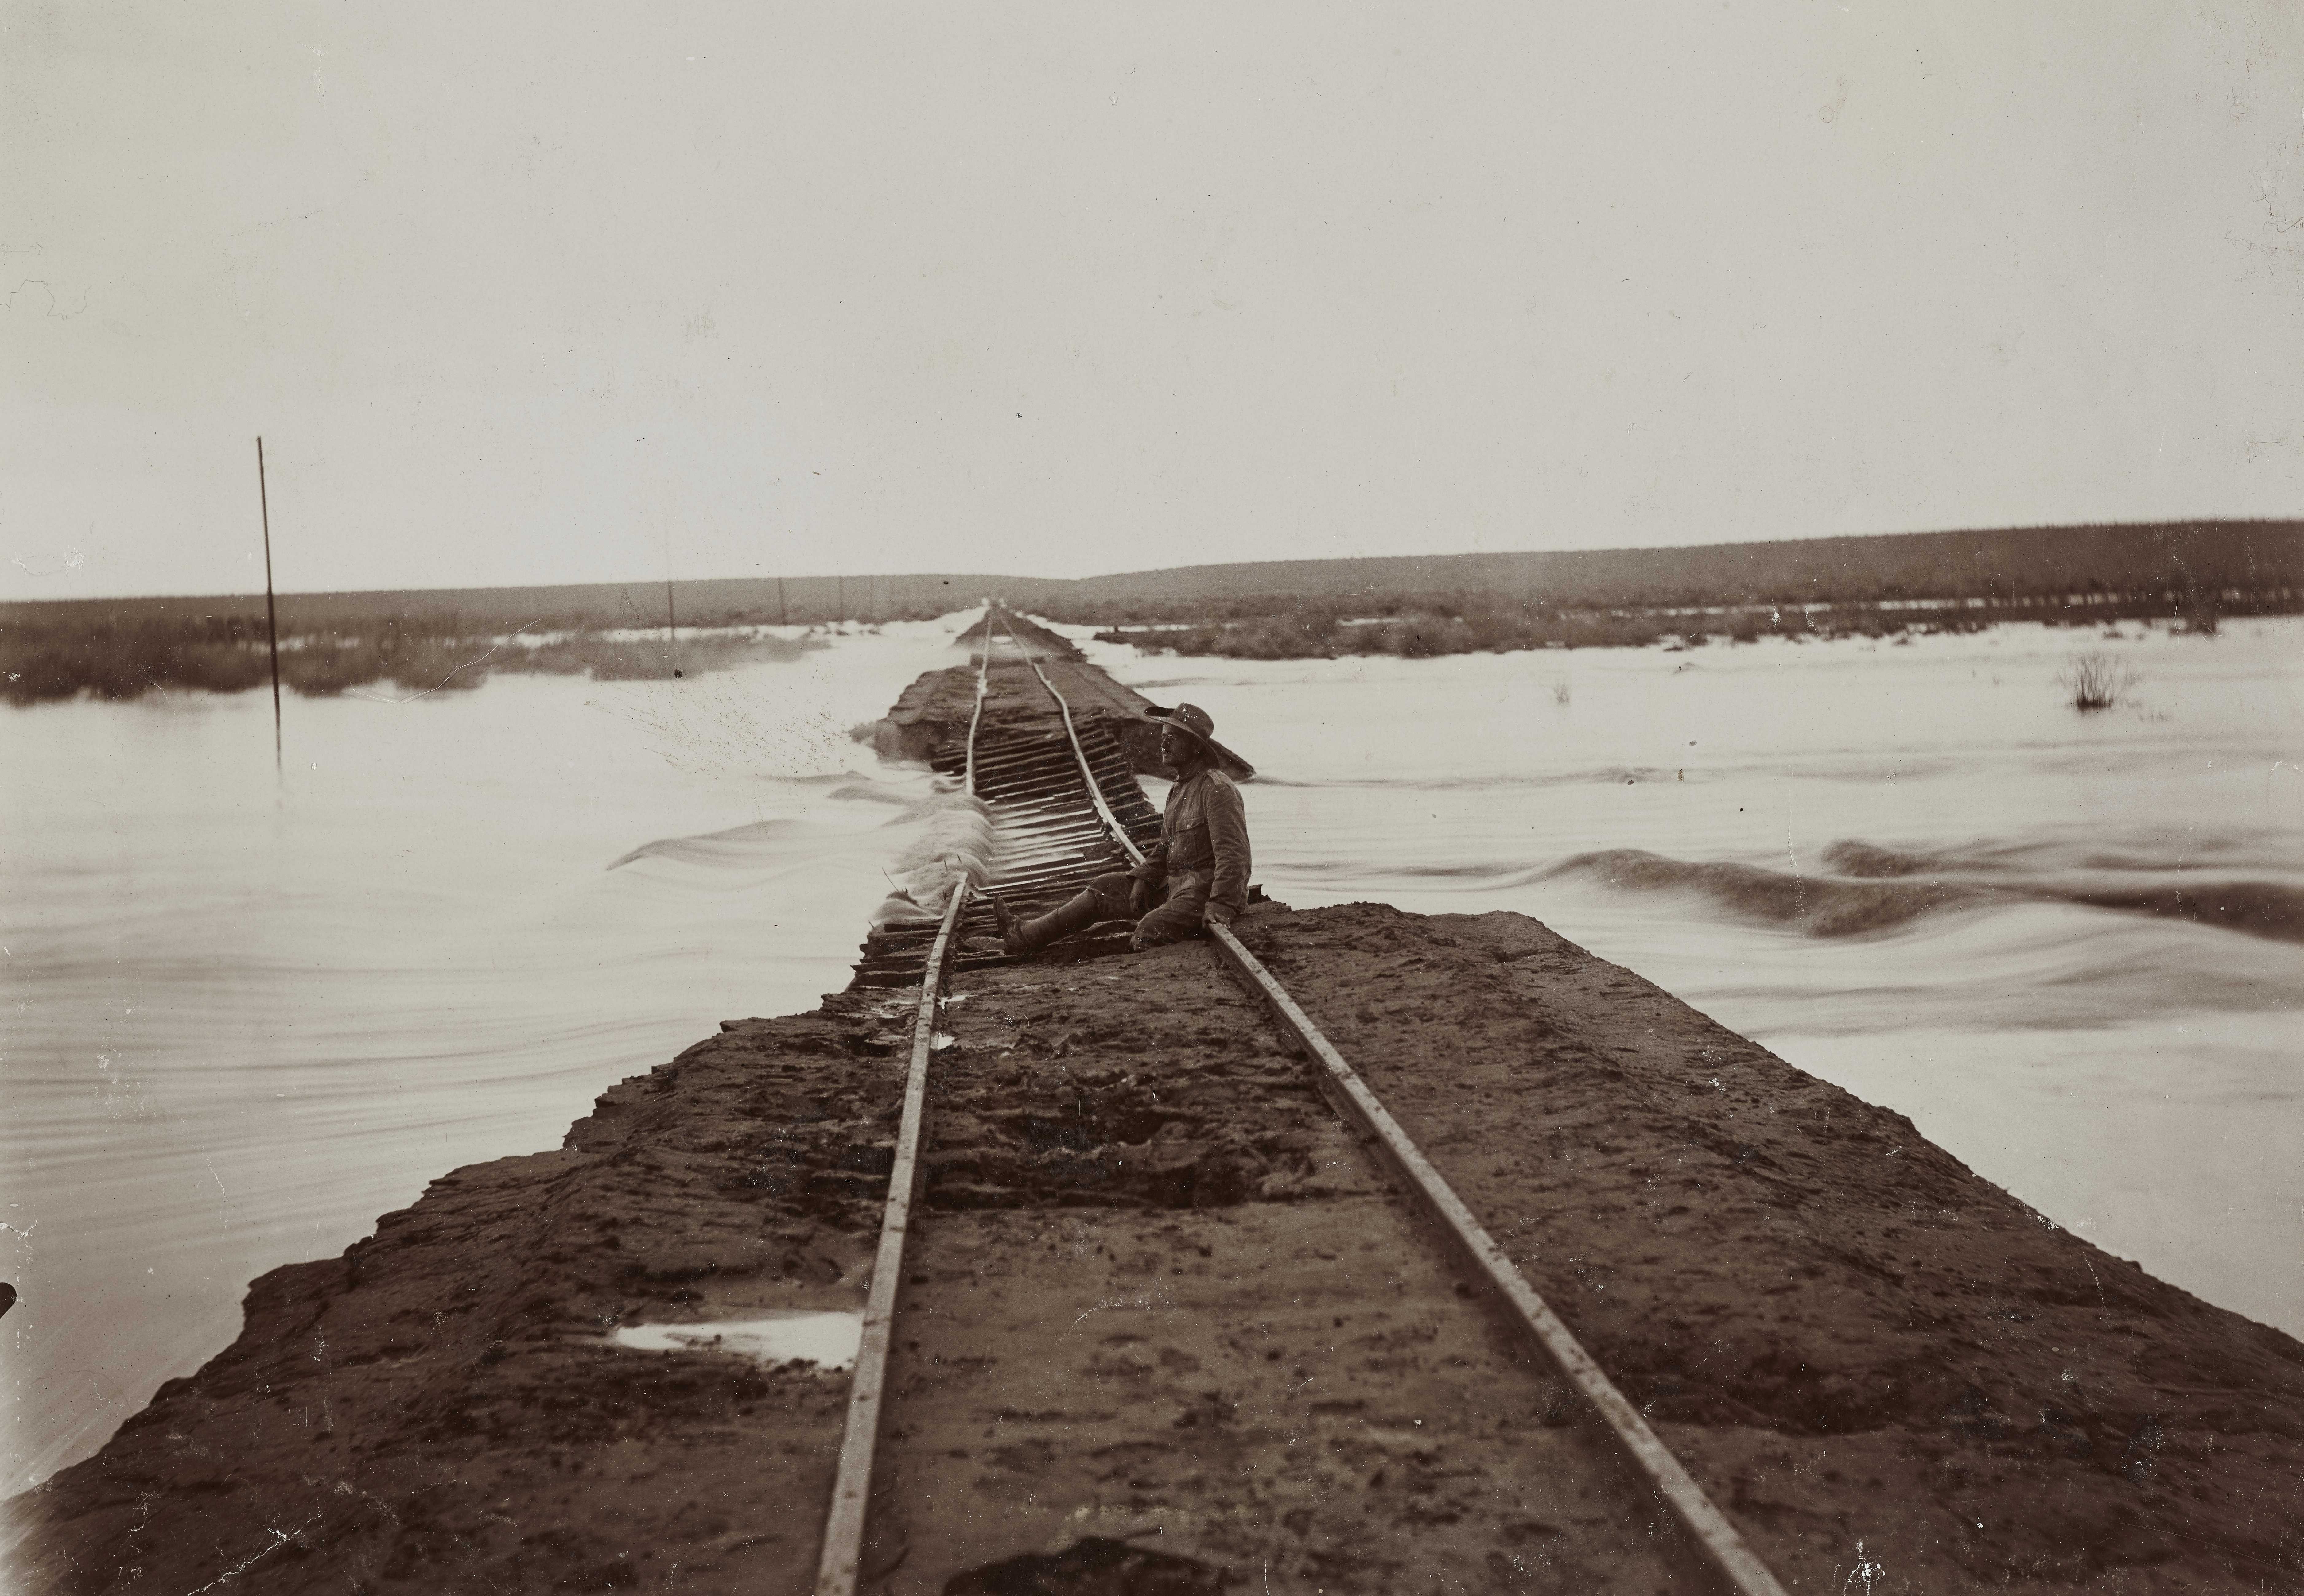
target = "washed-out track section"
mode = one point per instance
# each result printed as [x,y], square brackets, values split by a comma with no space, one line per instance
[1048,841]
[1214,1222]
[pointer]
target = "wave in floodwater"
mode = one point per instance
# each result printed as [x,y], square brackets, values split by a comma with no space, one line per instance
[2064,944]
[1865,888]
[1871,889]
[1610,775]
[939,839]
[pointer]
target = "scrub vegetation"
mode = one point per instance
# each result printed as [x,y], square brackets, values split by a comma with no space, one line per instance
[124,653]
[1423,626]
[2183,574]
[2187,575]
[2172,566]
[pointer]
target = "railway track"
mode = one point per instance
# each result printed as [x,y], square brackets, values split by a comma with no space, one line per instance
[1043,786]
[1575,1477]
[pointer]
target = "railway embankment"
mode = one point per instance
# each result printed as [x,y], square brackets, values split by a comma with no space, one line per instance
[1161,1301]
[933,714]
[1162,1307]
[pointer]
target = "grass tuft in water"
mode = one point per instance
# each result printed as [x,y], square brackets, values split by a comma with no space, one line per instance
[2096,680]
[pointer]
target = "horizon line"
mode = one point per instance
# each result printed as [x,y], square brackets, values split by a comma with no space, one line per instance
[2296,521]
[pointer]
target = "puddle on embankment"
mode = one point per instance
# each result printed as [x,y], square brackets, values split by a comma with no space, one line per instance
[827,1340]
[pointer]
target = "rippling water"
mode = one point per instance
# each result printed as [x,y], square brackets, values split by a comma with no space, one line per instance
[2071,947]
[244,1022]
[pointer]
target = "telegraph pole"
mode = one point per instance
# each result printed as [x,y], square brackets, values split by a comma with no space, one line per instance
[271,610]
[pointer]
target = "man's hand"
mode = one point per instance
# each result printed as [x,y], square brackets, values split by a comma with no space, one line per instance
[1216,915]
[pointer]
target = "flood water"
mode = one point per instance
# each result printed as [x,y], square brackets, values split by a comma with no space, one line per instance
[2069,947]
[244,1019]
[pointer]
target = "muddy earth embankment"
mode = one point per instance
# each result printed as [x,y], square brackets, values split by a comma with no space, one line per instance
[1160,1295]
[932,716]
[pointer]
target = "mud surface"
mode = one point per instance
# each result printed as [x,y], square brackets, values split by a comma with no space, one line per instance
[1159,1300]
[1160,1296]
[1847,1334]
[439,1409]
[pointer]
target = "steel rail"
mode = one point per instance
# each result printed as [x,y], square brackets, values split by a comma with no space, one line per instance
[1714,1538]
[1118,832]
[1714,1535]
[976,716]
[841,1565]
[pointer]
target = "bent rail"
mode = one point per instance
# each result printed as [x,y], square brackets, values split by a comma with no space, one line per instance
[1713,1536]
[976,715]
[1111,822]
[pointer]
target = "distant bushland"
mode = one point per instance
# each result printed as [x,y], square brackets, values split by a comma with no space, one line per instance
[123,655]
[126,659]
[2175,565]
[1421,626]
[439,639]
[2187,573]
[2193,573]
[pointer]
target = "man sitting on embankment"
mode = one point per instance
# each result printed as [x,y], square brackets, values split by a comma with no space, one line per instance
[1196,876]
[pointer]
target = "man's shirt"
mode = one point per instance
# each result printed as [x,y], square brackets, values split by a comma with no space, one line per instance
[1204,831]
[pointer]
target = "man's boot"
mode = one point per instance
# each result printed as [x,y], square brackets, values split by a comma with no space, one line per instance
[1021,937]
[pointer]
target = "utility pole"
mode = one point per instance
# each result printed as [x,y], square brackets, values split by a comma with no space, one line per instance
[671,621]
[783,611]
[839,591]
[271,610]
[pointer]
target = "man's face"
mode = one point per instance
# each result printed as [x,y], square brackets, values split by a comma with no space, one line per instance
[1176,747]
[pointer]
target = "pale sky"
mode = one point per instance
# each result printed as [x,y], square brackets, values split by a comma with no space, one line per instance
[576,292]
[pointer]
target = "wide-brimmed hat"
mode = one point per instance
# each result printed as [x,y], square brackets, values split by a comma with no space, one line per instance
[1197,724]
[1185,717]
